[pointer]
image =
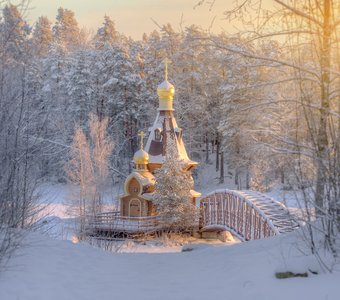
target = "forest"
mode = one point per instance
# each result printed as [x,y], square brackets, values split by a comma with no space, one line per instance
[263,105]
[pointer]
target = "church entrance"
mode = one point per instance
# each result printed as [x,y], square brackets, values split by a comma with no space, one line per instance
[135,208]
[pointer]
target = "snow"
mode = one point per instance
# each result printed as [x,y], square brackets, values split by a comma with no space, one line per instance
[57,220]
[53,269]
[300,265]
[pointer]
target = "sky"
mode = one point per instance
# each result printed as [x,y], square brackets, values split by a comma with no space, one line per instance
[134,17]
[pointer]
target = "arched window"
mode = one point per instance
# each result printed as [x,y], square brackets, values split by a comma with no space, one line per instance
[157,134]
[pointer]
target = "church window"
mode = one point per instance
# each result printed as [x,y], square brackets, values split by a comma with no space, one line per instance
[157,135]
[179,133]
[141,167]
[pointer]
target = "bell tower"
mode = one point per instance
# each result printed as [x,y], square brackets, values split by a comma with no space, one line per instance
[164,128]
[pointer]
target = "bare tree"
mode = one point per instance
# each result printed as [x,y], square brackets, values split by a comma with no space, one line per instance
[80,172]
[88,169]
[308,62]
[19,208]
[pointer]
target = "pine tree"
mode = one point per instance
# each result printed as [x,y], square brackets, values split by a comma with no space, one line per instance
[42,36]
[79,85]
[66,30]
[172,193]
[13,33]
[107,34]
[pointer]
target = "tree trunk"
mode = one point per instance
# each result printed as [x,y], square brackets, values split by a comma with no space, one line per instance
[206,148]
[282,173]
[247,179]
[222,168]
[217,152]
[236,177]
[322,139]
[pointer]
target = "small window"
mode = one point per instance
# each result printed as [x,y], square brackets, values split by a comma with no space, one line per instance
[157,135]
[179,133]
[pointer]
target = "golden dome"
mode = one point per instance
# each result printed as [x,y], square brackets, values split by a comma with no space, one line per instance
[141,157]
[166,90]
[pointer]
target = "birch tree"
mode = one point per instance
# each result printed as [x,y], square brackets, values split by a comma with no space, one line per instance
[80,172]
[87,169]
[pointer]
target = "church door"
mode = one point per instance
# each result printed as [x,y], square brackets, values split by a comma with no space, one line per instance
[135,208]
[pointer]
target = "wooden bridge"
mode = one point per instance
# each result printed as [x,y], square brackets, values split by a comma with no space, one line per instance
[247,214]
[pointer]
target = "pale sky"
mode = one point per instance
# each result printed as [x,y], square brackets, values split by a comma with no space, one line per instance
[133,17]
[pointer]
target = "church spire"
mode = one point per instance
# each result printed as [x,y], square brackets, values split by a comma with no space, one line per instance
[165,91]
[165,129]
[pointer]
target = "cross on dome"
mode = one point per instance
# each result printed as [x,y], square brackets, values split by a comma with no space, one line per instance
[141,135]
[166,61]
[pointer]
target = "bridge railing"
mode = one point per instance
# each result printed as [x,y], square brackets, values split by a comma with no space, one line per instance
[112,221]
[237,214]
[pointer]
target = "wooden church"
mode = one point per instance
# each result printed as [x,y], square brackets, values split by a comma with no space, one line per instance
[139,185]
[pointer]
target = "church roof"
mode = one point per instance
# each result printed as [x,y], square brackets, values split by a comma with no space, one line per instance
[166,124]
[145,178]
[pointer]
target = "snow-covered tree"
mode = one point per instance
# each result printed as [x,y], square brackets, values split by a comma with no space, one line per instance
[172,193]
[42,36]
[107,34]
[101,149]
[79,170]
[79,85]
[87,168]
[306,74]
[66,31]
[14,31]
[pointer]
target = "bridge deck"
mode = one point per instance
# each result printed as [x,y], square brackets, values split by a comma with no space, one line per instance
[247,214]
[276,211]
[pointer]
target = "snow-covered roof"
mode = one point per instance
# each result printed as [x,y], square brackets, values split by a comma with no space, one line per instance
[166,123]
[145,178]
[148,196]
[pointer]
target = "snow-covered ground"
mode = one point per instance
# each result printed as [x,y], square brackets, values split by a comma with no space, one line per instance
[56,267]
[58,216]
[50,269]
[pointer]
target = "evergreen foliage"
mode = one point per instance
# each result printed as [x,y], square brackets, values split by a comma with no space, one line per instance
[172,193]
